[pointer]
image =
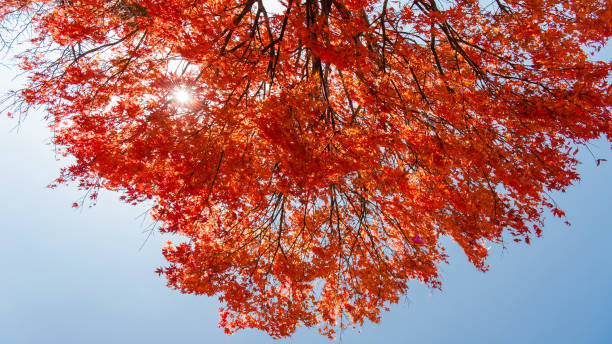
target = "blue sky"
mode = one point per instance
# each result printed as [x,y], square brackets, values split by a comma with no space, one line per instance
[79,276]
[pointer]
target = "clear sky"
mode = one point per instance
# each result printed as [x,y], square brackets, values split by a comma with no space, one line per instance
[79,276]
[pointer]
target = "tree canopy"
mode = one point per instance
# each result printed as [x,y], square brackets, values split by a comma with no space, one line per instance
[313,155]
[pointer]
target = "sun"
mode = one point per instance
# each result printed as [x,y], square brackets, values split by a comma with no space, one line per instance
[182,95]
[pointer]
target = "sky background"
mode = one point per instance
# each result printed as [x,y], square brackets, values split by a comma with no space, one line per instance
[79,276]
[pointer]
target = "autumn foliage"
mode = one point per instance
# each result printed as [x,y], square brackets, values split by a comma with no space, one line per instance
[314,154]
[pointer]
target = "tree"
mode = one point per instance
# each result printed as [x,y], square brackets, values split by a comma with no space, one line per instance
[314,155]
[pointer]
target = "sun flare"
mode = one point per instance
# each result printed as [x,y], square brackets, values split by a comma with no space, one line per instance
[182,96]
